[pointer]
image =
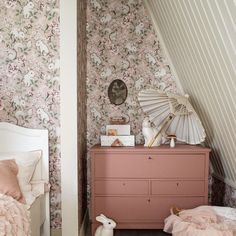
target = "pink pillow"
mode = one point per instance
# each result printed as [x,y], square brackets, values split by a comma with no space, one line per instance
[8,180]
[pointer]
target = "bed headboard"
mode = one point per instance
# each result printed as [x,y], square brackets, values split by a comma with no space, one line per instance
[14,138]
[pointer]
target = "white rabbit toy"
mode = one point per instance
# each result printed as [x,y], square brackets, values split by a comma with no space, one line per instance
[149,133]
[107,228]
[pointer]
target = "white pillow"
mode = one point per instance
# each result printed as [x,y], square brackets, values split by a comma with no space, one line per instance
[26,162]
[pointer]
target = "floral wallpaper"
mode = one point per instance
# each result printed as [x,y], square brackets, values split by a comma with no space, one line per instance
[221,194]
[29,76]
[121,45]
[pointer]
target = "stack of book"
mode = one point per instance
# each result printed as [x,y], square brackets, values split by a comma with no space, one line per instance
[117,135]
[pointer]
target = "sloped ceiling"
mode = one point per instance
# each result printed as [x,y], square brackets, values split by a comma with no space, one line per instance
[200,38]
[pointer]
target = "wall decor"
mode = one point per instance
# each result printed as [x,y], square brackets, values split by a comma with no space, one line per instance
[117,92]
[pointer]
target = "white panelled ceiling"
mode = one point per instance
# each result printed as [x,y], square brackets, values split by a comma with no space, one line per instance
[200,39]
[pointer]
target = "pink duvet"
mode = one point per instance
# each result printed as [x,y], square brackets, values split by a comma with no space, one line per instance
[200,221]
[14,218]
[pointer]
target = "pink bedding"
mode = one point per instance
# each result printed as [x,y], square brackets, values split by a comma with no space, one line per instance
[14,218]
[9,184]
[200,221]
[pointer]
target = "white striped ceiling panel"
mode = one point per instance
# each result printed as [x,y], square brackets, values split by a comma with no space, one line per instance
[200,39]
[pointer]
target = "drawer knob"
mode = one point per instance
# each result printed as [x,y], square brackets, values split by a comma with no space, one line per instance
[149,158]
[177,184]
[123,184]
[149,200]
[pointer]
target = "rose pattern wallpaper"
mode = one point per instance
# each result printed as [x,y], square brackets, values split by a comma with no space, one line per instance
[29,76]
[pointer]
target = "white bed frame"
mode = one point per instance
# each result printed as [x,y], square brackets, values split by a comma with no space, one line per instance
[14,138]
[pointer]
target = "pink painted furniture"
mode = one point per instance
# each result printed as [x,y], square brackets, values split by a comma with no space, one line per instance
[137,186]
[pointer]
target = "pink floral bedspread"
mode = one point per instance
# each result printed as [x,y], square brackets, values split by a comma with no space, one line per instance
[200,221]
[14,217]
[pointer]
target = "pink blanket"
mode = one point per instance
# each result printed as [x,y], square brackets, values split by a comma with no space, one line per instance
[14,218]
[200,221]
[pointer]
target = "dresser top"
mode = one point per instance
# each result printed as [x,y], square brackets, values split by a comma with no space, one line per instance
[161,148]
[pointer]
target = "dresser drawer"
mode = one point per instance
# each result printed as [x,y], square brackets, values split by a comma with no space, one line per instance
[124,209]
[142,209]
[175,187]
[121,187]
[161,205]
[135,165]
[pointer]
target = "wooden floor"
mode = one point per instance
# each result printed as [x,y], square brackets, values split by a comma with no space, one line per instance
[140,232]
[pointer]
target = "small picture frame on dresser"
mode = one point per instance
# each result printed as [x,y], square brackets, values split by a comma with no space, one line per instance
[112,132]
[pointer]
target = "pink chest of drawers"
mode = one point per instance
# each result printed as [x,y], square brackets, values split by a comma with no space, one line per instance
[137,186]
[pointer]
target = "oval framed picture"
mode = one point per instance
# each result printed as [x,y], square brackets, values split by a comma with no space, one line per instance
[117,92]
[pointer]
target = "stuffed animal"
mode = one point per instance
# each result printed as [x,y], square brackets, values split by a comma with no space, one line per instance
[149,133]
[107,228]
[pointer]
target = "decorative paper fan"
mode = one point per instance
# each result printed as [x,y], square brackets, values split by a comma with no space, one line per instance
[185,124]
